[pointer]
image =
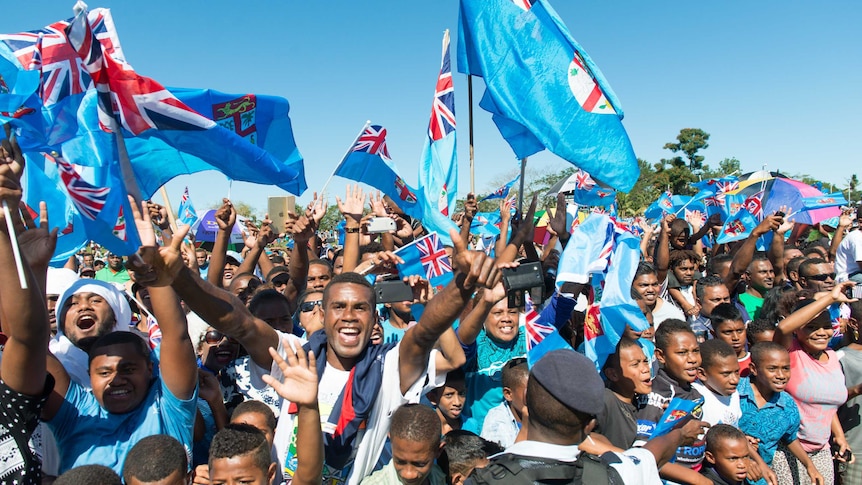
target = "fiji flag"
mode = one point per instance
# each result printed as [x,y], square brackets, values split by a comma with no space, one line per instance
[187,215]
[427,258]
[662,206]
[368,162]
[542,337]
[830,200]
[503,191]
[551,97]
[438,168]
[737,227]
[486,224]
[93,208]
[171,138]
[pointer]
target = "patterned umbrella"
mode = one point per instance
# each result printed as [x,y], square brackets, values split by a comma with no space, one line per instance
[766,196]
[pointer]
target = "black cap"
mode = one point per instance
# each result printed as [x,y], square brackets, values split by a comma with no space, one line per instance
[572,379]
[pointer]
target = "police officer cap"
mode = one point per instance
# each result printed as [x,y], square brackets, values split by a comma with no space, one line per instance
[572,379]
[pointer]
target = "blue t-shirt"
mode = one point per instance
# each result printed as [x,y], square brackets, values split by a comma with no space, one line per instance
[88,434]
[778,419]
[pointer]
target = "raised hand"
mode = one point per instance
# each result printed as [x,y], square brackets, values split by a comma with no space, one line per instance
[316,210]
[471,207]
[506,208]
[37,243]
[422,291]
[300,376]
[353,203]
[473,269]
[378,207]
[225,216]
[159,216]
[11,168]
[155,266]
[558,222]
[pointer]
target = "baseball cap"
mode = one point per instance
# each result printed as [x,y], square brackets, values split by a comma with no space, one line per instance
[572,379]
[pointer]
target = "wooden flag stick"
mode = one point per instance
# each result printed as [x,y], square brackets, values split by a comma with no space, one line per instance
[16,251]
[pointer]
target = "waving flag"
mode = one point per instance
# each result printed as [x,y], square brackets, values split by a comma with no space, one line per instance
[830,200]
[368,162]
[737,227]
[486,224]
[48,118]
[171,137]
[542,337]
[554,97]
[438,167]
[754,205]
[662,206]
[187,215]
[85,203]
[587,251]
[503,191]
[583,181]
[427,258]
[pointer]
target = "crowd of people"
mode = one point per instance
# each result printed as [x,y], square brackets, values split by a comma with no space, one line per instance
[185,364]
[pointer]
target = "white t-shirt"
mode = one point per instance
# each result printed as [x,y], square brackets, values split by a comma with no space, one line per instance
[664,310]
[849,251]
[369,443]
[718,409]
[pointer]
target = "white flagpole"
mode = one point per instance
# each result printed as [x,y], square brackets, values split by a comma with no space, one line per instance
[323,190]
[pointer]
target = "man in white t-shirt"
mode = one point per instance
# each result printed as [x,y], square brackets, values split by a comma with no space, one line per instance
[361,385]
[848,257]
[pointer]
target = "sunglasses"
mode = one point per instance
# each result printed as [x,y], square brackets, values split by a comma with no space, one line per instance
[821,277]
[213,337]
[280,281]
[308,306]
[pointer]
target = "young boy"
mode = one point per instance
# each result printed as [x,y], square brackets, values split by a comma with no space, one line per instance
[158,458]
[449,399]
[760,330]
[729,326]
[726,455]
[415,437]
[678,353]
[769,415]
[628,374]
[503,422]
[463,452]
[239,453]
[718,377]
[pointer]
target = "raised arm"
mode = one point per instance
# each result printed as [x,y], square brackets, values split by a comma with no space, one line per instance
[844,223]
[471,324]
[662,248]
[799,318]
[505,218]
[521,236]
[300,388]
[776,250]
[164,267]
[745,252]
[351,208]
[23,313]
[473,269]
[177,365]
[225,218]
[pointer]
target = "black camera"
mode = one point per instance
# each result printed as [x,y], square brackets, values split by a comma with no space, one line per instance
[520,279]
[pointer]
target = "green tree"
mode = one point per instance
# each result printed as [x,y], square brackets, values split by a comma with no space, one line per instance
[642,194]
[689,142]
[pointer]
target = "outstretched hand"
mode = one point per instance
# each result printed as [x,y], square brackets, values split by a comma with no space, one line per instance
[155,266]
[225,216]
[473,269]
[300,376]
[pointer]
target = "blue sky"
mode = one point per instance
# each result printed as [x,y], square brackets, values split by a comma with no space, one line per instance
[774,83]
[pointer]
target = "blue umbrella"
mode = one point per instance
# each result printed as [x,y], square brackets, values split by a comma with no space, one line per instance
[206,228]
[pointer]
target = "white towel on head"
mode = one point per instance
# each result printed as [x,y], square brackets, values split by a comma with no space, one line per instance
[75,360]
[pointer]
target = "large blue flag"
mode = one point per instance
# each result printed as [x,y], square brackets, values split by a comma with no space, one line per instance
[368,162]
[427,258]
[829,200]
[540,81]
[438,168]
[486,224]
[84,203]
[587,251]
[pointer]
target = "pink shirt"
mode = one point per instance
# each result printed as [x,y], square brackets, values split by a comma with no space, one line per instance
[818,389]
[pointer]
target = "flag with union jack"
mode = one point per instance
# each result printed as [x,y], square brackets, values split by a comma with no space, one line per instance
[503,191]
[542,336]
[754,205]
[427,258]
[438,167]
[583,181]
[373,141]
[84,203]
[89,200]
[187,215]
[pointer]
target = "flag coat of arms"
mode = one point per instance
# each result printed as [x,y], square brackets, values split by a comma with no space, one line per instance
[737,227]
[438,167]
[427,258]
[554,97]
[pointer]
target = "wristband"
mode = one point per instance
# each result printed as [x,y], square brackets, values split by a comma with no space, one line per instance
[351,230]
